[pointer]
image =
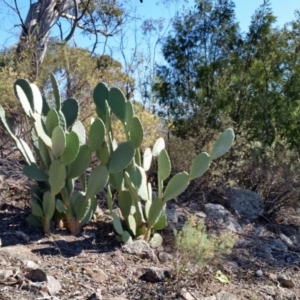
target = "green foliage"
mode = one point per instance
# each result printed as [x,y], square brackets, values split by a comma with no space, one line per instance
[195,246]
[216,74]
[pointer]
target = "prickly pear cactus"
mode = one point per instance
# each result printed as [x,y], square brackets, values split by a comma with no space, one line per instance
[141,215]
[59,142]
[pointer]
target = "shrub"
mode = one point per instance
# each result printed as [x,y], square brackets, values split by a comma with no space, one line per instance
[195,246]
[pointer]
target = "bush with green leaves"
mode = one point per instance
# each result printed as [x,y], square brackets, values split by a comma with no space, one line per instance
[195,246]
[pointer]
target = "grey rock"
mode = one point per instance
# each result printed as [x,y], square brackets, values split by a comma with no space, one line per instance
[260,231]
[222,295]
[172,215]
[155,274]
[286,281]
[222,217]
[140,248]
[245,202]
[164,256]
[286,239]
[217,212]
[277,244]
[200,214]
[264,252]
[259,273]
[233,226]
[95,296]
[18,252]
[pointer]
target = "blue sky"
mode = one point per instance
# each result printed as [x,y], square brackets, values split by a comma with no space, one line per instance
[9,33]
[284,10]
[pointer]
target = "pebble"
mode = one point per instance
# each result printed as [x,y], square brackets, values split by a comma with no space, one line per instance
[259,273]
[164,256]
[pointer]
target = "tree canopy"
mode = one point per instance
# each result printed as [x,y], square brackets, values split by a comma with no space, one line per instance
[215,74]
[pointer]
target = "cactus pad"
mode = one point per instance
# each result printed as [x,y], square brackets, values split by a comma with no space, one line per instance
[164,165]
[125,202]
[81,162]
[117,223]
[57,176]
[56,92]
[48,205]
[96,135]
[147,159]
[34,172]
[121,157]
[58,141]
[158,146]
[80,130]
[176,186]
[52,121]
[71,149]
[70,109]
[100,94]
[136,132]
[117,103]
[200,165]
[97,181]
[222,144]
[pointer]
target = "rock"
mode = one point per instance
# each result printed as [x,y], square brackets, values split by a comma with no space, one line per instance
[264,252]
[217,212]
[222,217]
[140,248]
[259,273]
[164,256]
[95,296]
[286,281]
[200,214]
[245,202]
[186,295]
[172,215]
[155,275]
[233,226]
[53,285]
[222,295]
[260,231]
[277,244]
[156,240]
[286,239]
[97,275]
[18,252]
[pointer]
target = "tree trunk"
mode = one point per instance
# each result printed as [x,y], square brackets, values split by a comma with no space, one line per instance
[40,19]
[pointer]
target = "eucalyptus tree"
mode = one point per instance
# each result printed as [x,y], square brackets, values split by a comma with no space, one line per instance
[215,74]
[101,18]
[197,52]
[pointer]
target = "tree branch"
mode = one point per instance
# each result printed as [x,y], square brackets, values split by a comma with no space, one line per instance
[81,26]
[74,23]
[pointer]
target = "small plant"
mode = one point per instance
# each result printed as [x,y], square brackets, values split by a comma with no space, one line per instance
[195,246]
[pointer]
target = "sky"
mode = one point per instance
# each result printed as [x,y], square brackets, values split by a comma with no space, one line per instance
[283,9]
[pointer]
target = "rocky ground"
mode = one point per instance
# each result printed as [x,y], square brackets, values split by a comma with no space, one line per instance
[264,264]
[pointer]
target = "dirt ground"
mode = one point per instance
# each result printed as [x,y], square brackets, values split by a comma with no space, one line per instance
[95,266]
